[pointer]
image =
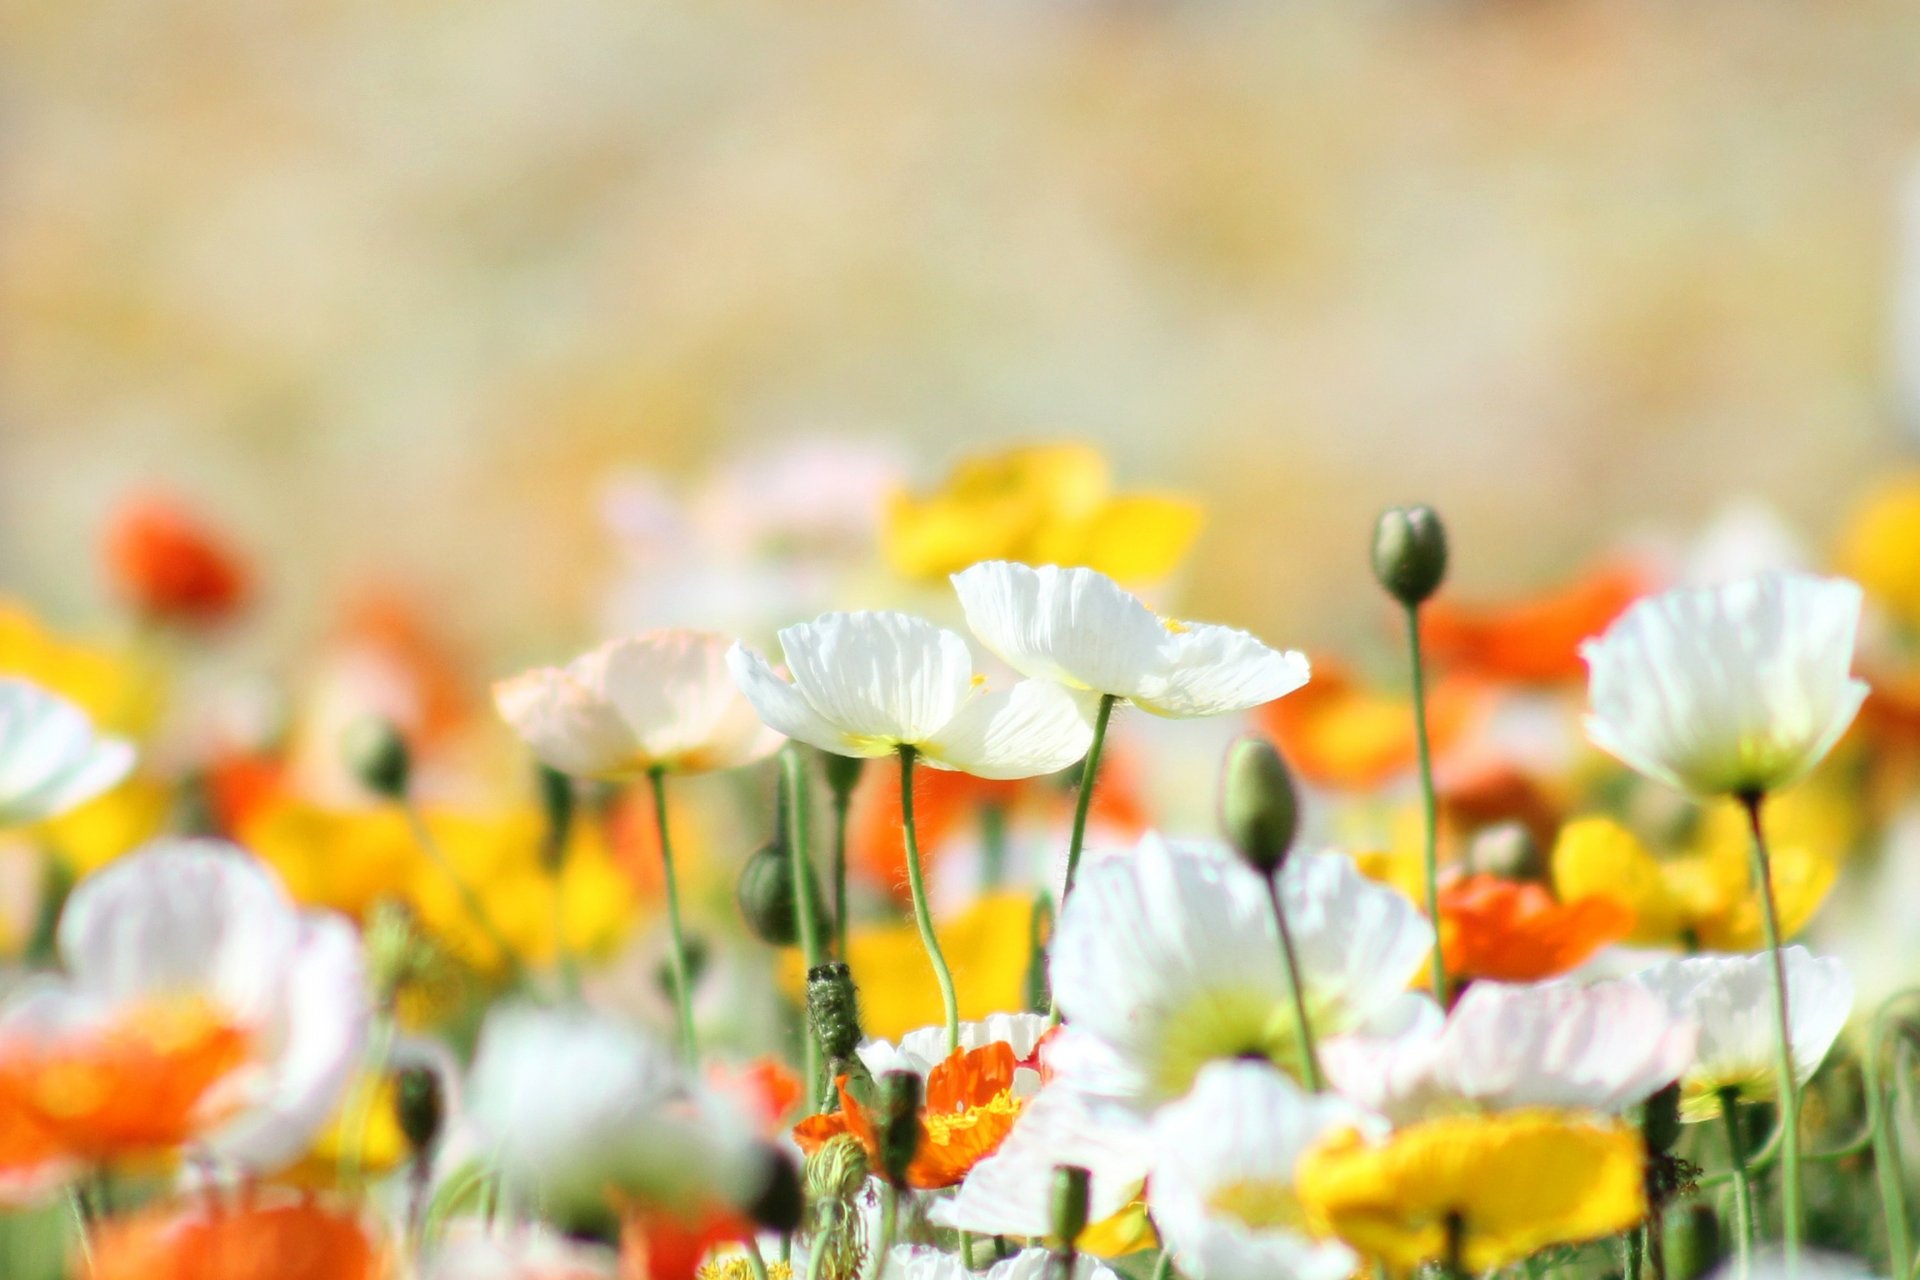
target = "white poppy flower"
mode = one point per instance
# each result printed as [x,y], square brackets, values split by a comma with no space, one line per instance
[1505,1047]
[923,1262]
[1009,1192]
[1728,690]
[200,927]
[660,700]
[867,684]
[569,1104]
[50,758]
[1080,628]
[1167,958]
[923,1050]
[1730,998]
[1221,1190]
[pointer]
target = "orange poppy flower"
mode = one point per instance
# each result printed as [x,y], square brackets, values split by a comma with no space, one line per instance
[144,1083]
[1340,732]
[1514,932]
[660,1246]
[767,1088]
[1532,641]
[170,566]
[297,1241]
[968,1111]
[1484,796]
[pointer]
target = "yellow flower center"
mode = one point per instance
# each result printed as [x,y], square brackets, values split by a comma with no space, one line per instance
[734,1266]
[942,1129]
[1260,1203]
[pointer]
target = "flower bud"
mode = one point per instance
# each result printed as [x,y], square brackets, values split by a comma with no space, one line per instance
[767,900]
[377,755]
[1071,1190]
[1410,553]
[898,1124]
[1693,1244]
[556,802]
[780,1204]
[1660,1121]
[842,773]
[419,1107]
[1258,806]
[833,1009]
[836,1178]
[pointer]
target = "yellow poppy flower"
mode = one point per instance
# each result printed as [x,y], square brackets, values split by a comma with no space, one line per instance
[1128,1231]
[121,692]
[1508,1184]
[986,946]
[112,823]
[369,1106]
[1040,504]
[1876,546]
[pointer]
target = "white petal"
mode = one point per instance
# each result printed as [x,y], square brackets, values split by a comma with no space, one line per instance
[1075,626]
[673,690]
[1033,728]
[50,760]
[787,712]
[567,725]
[887,678]
[1216,670]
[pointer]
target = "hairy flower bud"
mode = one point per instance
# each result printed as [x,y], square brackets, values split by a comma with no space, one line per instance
[833,1009]
[1071,1190]
[1258,806]
[765,894]
[835,1178]
[377,755]
[1410,553]
[898,1127]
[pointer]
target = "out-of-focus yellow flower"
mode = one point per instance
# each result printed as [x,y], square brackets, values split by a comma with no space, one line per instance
[1704,895]
[112,823]
[986,946]
[1119,1234]
[1039,504]
[1509,1184]
[368,1110]
[1876,544]
[121,692]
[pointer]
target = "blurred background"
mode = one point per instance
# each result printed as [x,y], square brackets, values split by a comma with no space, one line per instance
[487,301]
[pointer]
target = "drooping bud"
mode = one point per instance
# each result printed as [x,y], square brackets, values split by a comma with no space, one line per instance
[1258,806]
[842,773]
[898,1124]
[1071,1191]
[1410,553]
[377,755]
[556,802]
[833,1009]
[1694,1247]
[420,1108]
[1660,1121]
[779,1205]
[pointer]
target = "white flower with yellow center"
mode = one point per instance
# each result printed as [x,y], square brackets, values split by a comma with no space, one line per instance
[1167,958]
[1082,629]
[1737,689]
[922,1050]
[868,684]
[1505,1047]
[1222,1190]
[662,700]
[50,758]
[1730,999]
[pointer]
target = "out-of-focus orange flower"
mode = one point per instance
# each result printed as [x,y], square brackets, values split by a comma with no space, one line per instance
[386,631]
[767,1088]
[1341,732]
[1484,796]
[1532,641]
[659,1246]
[304,1240]
[171,566]
[968,1111]
[1514,932]
[137,1086]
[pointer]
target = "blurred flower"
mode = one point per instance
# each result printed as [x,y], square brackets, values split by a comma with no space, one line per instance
[662,700]
[1341,732]
[1532,641]
[1729,998]
[198,1003]
[121,691]
[170,566]
[1515,932]
[51,760]
[115,822]
[920,1262]
[1875,546]
[472,1250]
[1602,1047]
[1039,504]
[1513,1183]
[1078,627]
[867,684]
[1167,958]
[922,1050]
[1222,1188]
[1731,689]
[208,1240]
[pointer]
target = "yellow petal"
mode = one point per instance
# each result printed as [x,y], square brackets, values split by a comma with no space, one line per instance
[1876,547]
[1599,857]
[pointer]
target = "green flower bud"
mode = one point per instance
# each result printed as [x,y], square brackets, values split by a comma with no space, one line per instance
[779,1205]
[833,1009]
[377,755]
[1410,553]
[768,903]
[556,801]
[836,1178]
[1694,1247]
[1660,1120]
[842,773]
[1258,806]
[897,1130]
[419,1106]
[1071,1190]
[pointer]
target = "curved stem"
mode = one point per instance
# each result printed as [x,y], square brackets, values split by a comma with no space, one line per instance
[922,916]
[1302,1025]
[677,940]
[1792,1207]
[1084,801]
[1429,800]
[1742,1185]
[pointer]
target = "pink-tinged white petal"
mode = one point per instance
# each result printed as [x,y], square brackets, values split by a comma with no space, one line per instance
[674,692]
[568,725]
[884,677]
[783,708]
[1074,626]
[50,758]
[1033,728]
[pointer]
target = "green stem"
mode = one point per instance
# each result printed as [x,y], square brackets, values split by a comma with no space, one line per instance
[1453,1262]
[756,1263]
[1742,1184]
[841,803]
[793,776]
[1302,1025]
[1429,799]
[1163,1265]
[889,1217]
[993,845]
[1886,1151]
[922,915]
[677,940]
[1084,801]
[562,949]
[476,910]
[1792,1207]
[1633,1245]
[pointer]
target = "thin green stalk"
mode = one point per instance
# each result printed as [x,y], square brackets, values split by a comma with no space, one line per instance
[1742,1184]
[889,1220]
[562,948]
[841,803]
[1792,1206]
[993,844]
[1084,801]
[1453,1262]
[1633,1246]
[1302,1025]
[922,915]
[1886,1150]
[470,902]
[1429,800]
[793,776]
[682,991]
[1163,1265]
[756,1263]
